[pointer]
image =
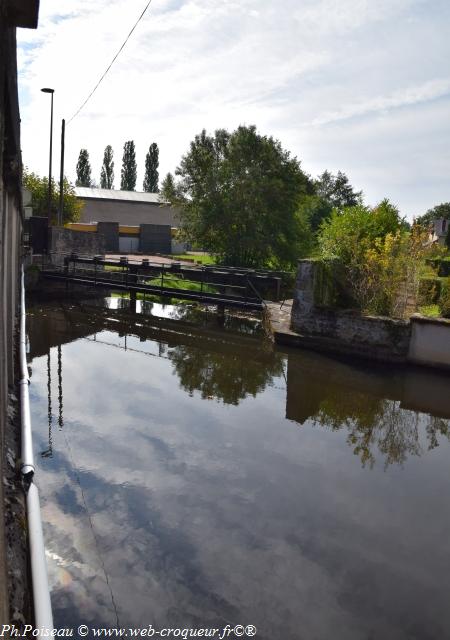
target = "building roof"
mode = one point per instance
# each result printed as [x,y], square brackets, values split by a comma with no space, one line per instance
[112,194]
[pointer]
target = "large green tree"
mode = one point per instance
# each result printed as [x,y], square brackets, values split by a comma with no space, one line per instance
[151,176]
[129,171]
[83,170]
[38,187]
[107,171]
[238,194]
[337,190]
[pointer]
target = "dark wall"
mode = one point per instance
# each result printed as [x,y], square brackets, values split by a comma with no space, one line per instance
[155,238]
[110,230]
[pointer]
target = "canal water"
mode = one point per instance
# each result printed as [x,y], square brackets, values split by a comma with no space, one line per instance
[192,475]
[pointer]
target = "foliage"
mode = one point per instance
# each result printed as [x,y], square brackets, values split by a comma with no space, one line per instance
[38,186]
[381,258]
[336,190]
[429,290]
[216,375]
[430,310]
[83,170]
[447,238]
[107,171]
[444,300]
[315,210]
[439,211]
[238,196]
[168,189]
[151,169]
[202,258]
[129,172]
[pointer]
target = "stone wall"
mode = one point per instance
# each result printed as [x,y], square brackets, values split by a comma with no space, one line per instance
[420,340]
[343,331]
[66,241]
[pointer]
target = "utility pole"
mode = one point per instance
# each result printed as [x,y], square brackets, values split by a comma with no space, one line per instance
[61,176]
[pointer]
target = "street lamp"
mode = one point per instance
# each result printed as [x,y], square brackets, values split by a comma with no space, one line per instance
[51,91]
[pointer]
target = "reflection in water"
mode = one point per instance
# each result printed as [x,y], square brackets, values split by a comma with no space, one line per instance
[218,376]
[354,399]
[160,508]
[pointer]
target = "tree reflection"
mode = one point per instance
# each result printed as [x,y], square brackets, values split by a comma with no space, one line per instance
[227,376]
[383,426]
[374,409]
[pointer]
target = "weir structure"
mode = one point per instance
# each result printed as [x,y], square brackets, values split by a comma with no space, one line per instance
[221,286]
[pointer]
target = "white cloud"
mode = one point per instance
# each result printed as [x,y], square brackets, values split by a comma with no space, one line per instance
[201,63]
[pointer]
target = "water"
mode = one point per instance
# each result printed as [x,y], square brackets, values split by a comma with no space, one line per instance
[191,475]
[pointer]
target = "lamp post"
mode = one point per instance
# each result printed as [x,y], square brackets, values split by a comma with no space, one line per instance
[51,91]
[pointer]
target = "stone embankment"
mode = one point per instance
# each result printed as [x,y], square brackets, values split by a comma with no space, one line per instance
[305,322]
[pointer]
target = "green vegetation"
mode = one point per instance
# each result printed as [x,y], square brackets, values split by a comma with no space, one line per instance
[175,281]
[238,195]
[151,176]
[206,258]
[38,187]
[129,171]
[83,170]
[107,170]
[380,257]
[431,311]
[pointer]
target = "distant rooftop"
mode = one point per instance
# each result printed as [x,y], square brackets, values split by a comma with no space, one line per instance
[113,194]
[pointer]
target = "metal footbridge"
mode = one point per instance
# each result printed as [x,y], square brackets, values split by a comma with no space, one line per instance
[212,285]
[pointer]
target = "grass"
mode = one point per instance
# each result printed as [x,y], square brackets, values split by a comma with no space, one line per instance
[199,259]
[174,282]
[431,311]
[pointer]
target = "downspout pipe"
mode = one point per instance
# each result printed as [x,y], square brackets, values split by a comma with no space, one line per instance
[43,616]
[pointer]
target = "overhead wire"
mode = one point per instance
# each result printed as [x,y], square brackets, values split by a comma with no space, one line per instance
[111,63]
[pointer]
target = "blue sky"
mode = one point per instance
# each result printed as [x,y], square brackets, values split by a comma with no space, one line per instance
[355,85]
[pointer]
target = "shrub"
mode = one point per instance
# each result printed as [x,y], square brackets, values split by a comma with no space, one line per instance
[444,300]
[429,291]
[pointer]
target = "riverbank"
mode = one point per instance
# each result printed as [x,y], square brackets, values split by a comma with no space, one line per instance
[308,322]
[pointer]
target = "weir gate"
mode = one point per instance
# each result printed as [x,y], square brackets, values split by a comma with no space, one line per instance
[221,286]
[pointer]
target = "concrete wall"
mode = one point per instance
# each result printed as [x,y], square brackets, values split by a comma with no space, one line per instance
[11,15]
[430,341]
[419,340]
[65,241]
[132,213]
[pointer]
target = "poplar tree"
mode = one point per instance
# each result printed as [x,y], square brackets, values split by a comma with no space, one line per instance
[129,172]
[107,172]
[168,189]
[83,170]
[151,169]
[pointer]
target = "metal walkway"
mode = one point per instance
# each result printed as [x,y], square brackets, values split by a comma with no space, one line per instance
[224,287]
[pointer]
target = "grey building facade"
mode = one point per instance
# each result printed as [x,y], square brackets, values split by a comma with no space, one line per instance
[132,208]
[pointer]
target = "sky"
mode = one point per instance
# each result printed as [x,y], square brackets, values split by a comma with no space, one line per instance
[360,86]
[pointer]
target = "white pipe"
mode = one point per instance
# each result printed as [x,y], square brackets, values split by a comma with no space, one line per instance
[41,592]
[27,443]
[43,617]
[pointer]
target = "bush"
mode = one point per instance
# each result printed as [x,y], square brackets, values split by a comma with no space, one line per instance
[444,267]
[429,291]
[444,300]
